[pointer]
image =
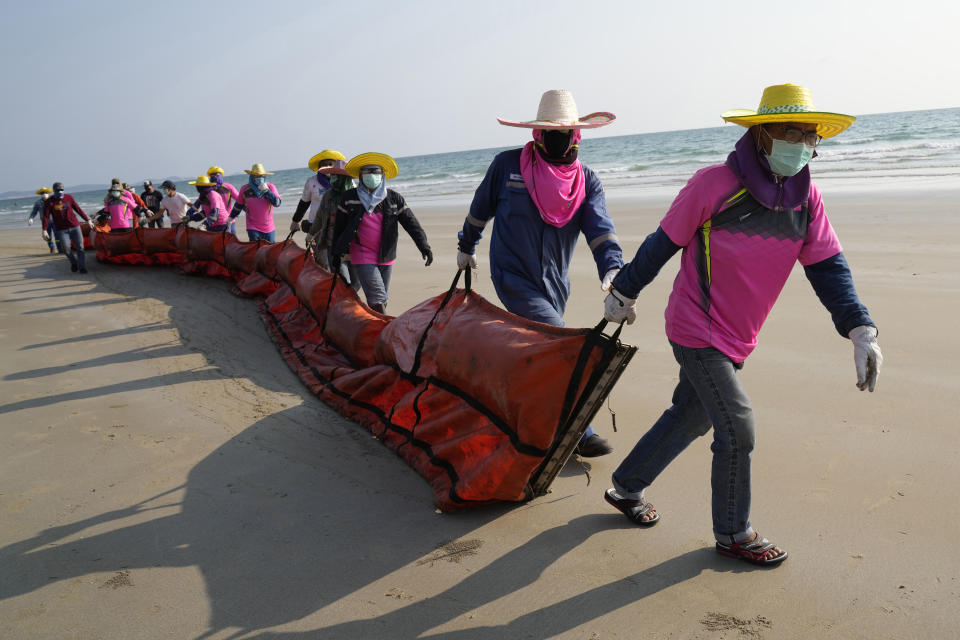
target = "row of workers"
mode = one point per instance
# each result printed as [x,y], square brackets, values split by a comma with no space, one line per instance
[741,226]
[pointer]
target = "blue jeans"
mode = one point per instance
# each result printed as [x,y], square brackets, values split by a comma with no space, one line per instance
[708,393]
[260,235]
[375,280]
[72,239]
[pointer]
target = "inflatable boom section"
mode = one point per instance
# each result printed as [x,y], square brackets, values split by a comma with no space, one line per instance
[485,405]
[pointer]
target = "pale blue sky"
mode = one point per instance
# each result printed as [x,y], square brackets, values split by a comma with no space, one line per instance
[101,89]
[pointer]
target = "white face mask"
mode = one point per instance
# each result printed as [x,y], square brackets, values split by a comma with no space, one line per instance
[44,196]
[114,194]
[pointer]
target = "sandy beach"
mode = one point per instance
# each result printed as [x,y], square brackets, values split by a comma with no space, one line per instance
[165,475]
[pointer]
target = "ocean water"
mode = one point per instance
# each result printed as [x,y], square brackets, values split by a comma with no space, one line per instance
[890,151]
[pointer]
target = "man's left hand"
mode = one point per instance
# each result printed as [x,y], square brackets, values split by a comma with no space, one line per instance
[427,257]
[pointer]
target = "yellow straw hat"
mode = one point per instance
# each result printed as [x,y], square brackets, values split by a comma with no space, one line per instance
[43,190]
[382,160]
[214,169]
[258,170]
[790,103]
[326,154]
[203,181]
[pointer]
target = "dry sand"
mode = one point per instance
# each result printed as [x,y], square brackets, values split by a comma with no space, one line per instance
[164,475]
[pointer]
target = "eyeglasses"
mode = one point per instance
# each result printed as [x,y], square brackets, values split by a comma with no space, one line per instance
[794,135]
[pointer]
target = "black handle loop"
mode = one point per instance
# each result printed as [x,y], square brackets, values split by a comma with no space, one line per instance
[603,323]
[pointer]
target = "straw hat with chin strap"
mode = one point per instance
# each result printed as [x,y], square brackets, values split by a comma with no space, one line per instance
[790,103]
[558,110]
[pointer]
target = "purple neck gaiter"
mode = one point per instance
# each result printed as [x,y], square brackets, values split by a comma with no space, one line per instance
[751,168]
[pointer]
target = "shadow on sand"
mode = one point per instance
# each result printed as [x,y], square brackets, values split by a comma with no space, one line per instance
[281,523]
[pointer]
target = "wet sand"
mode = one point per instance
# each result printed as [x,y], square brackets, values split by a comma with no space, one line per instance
[165,475]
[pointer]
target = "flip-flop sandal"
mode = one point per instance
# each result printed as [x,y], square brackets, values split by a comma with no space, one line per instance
[752,551]
[635,510]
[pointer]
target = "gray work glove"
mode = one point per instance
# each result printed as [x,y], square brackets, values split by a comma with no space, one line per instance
[294,226]
[465,260]
[866,356]
[617,308]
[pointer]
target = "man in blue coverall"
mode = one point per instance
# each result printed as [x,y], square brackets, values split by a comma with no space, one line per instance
[543,198]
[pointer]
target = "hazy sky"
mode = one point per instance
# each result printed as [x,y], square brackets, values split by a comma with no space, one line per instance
[101,89]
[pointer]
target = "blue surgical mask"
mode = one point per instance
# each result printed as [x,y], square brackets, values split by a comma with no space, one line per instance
[114,194]
[372,180]
[788,158]
[260,182]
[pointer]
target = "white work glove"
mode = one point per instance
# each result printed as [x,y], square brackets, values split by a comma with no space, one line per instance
[45,235]
[29,222]
[294,226]
[617,308]
[608,279]
[866,355]
[465,260]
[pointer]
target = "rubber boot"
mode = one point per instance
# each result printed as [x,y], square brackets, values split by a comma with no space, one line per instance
[379,308]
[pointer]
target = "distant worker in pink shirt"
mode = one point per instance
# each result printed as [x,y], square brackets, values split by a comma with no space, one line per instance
[258,198]
[228,193]
[208,206]
[120,210]
[742,225]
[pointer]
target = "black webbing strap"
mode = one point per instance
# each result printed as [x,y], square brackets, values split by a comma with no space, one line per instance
[595,338]
[446,299]
[326,311]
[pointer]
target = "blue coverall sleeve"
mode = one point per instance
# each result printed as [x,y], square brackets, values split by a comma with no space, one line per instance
[597,226]
[482,209]
[833,284]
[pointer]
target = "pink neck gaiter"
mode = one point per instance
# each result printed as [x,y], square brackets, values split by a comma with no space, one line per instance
[557,190]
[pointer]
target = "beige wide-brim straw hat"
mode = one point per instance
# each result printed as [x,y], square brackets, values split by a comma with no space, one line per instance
[558,110]
[382,160]
[327,154]
[790,103]
[257,170]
